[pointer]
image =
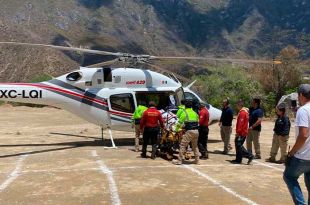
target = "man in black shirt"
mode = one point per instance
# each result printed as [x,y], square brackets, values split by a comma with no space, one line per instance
[255,127]
[225,124]
[281,135]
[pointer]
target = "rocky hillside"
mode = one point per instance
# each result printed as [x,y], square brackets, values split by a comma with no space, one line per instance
[235,28]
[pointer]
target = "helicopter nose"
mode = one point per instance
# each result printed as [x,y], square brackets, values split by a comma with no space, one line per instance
[215,114]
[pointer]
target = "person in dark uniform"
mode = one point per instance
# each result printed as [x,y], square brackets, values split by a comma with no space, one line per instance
[255,127]
[203,131]
[226,125]
[281,135]
[150,121]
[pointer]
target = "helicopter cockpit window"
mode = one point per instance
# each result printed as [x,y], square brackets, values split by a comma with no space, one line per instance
[74,76]
[192,97]
[122,102]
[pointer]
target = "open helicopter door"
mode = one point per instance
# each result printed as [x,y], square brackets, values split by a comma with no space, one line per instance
[121,108]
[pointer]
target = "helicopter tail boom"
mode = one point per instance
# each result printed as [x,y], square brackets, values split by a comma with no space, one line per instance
[33,93]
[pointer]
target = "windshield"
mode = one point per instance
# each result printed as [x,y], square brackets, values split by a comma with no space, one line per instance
[194,97]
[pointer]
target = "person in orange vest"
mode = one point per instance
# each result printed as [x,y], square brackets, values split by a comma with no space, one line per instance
[241,134]
[203,131]
[150,121]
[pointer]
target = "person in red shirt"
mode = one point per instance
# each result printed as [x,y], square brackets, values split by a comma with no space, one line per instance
[203,131]
[149,123]
[241,134]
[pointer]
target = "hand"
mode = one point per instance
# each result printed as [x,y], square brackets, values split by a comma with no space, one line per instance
[291,154]
[288,160]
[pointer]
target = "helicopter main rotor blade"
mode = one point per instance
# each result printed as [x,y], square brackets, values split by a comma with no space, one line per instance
[167,71]
[83,50]
[105,63]
[215,59]
[139,57]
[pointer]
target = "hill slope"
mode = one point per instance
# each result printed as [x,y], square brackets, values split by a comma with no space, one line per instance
[235,28]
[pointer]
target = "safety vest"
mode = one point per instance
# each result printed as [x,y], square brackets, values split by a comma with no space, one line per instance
[189,118]
[181,108]
[138,114]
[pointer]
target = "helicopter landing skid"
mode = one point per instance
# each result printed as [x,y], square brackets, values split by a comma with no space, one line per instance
[111,138]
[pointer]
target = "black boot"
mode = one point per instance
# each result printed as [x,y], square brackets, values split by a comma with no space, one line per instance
[154,149]
[203,156]
[143,154]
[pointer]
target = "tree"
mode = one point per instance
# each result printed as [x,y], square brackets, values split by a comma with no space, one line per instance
[227,81]
[279,77]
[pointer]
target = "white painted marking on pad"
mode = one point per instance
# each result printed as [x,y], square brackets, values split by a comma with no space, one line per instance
[171,166]
[220,185]
[112,185]
[267,165]
[94,153]
[14,174]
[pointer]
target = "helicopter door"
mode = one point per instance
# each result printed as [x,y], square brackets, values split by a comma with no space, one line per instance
[122,106]
[107,74]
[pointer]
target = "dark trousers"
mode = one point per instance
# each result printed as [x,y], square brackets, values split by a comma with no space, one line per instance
[150,133]
[203,139]
[240,150]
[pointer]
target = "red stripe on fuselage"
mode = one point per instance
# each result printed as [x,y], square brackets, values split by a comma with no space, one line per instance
[69,93]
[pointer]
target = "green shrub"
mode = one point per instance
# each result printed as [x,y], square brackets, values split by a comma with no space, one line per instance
[227,81]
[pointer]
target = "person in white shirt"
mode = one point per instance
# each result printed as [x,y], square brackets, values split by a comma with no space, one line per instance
[298,161]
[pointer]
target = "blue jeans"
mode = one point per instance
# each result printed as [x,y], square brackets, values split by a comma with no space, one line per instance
[293,170]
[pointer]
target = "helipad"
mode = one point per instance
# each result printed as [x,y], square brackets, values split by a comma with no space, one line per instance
[49,156]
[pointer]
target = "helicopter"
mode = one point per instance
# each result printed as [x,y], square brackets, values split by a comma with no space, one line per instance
[104,96]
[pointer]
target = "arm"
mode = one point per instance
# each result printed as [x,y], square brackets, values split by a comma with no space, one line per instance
[241,123]
[231,114]
[133,118]
[286,126]
[180,122]
[142,121]
[300,141]
[221,119]
[161,120]
[259,120]
[202,117]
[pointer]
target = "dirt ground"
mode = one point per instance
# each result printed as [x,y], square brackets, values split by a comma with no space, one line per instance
[49,156]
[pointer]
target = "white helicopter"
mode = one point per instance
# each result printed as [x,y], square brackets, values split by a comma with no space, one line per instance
[104,96]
